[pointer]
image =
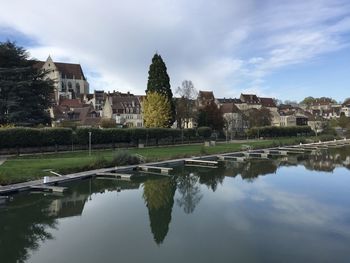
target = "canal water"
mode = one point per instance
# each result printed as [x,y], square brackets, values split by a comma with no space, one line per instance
[294,209]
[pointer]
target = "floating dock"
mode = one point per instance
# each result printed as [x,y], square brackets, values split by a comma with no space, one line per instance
[201,163]
[238,156]
[232,158]
[154,169]
[48,188]
[114,176]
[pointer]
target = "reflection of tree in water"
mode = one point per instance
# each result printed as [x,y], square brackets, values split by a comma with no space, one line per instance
[159,198]
[251,169]
[26,221]
[328,160]
[188,187]
[255,168]
[23,227]
[211,177]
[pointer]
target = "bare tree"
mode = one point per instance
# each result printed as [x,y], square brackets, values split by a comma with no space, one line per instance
[185,106]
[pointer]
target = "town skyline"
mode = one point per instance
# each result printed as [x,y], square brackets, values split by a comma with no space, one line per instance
[232,48]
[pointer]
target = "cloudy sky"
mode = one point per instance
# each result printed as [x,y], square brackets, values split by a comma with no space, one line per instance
[279,48]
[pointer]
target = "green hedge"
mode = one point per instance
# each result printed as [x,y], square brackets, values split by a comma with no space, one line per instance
[31,137]
[280,131]
[204,132]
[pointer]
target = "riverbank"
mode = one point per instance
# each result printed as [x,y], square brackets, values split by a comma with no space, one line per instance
[32,167]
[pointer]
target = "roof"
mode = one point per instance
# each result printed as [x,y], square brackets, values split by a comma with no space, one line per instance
[322,101]
[267,102]
[229,108]
[122,101]
[68,70]
[229,100]
[346,102]
[312,117]
[250,98]
[287,113]
[90,121]
[208,95]
[71,103]
[285,107]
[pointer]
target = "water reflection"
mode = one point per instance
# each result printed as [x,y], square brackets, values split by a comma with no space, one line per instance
[188,186]
[159,199]
[28,220]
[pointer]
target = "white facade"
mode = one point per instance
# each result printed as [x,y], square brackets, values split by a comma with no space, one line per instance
[288,120]
[346,111]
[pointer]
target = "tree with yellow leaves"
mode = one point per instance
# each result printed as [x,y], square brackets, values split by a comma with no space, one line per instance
[156,110]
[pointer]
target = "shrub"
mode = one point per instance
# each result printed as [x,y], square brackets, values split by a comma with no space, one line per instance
[326,137]
[124,158]
[204,132]
[99,162]
[189,133]
[280,131]
[108,123]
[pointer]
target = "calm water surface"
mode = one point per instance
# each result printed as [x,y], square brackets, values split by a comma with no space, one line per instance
[283,210]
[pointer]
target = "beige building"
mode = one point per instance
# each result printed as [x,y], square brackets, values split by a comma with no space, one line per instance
[69,79]
[124,108]
[287,120]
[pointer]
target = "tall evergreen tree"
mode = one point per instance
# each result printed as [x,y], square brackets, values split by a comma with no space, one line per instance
[159,81]
[25,93]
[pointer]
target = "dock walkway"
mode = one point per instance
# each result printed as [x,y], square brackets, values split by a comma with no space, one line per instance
[54,181]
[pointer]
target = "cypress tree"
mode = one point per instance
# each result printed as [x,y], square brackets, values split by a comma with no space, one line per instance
[159,82]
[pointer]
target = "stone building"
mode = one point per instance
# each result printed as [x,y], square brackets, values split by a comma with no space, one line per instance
[69,79]
[124,108]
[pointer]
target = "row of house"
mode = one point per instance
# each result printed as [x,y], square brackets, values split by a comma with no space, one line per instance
[74,103]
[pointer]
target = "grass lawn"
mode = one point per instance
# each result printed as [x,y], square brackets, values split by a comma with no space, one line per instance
[30,167]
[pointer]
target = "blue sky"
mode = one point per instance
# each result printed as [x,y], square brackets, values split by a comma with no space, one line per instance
[279,48]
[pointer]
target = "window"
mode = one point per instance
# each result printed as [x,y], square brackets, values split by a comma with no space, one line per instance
[69,86]
[63,86]
[77,87]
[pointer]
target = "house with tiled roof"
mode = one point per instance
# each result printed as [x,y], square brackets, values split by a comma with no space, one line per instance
[69,79]
[76,113]
[233,117]
[124,108]
[249,101]
[97,99]
[268,103]
[205,98]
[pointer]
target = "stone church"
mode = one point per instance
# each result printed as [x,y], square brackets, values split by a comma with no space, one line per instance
[69,79]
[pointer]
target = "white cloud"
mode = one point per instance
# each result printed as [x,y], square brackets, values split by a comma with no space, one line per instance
[227,46]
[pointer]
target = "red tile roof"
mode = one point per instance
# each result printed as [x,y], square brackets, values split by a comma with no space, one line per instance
[267,102]
[68,70]
[229,108]
[250,98]
[71,103]
[208,95]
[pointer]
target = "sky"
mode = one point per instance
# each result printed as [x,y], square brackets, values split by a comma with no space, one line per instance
[276,48]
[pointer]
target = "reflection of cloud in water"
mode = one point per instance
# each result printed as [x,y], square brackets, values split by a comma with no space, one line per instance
[280,207]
